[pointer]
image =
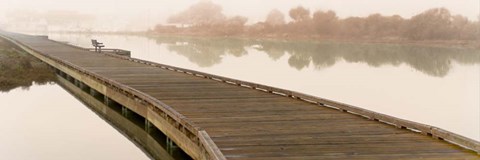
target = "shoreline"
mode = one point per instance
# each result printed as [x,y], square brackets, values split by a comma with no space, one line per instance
[19,69]
[473,44]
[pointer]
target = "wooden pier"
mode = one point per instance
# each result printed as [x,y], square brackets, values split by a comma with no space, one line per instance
[214,117]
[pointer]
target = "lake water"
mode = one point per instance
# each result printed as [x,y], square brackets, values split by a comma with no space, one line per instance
[432,85]
[46,122]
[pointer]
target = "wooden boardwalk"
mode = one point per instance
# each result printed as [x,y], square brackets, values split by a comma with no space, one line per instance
[246,121]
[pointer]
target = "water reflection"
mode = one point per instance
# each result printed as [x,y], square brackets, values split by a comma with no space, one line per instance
[19,69]
[146,136]
[433,61]
[205,52]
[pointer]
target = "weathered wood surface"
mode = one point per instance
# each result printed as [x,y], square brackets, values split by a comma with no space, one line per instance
[248,123]
[125,126]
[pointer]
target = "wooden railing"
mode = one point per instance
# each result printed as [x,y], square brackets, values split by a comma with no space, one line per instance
[428,130]
[112,50]
[195,133]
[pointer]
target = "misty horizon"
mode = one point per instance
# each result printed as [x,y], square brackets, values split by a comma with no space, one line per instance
[124,16]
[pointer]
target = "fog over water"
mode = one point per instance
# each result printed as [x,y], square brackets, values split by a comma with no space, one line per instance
[144,14]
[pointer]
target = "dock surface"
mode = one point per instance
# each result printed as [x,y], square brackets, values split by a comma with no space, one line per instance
[250,123]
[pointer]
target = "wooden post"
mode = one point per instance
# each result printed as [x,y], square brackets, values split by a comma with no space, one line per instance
[106,100]
[171,146]
[92,92]
[125,111]
[148,126]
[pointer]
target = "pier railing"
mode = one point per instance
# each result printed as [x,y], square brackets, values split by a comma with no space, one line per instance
[428,130]
[120,52]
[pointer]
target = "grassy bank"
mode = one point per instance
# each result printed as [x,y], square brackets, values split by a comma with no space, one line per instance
[19,69]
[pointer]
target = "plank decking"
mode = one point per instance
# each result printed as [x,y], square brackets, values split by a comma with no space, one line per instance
[247,123]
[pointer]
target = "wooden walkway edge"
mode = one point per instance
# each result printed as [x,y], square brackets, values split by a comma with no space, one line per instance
[222,142]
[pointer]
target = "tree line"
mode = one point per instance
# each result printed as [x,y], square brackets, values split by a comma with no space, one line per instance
[206,18]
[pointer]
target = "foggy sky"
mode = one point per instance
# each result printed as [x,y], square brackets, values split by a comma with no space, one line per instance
[141,14]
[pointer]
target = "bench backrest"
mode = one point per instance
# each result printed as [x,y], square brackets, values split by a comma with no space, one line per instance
[95,43]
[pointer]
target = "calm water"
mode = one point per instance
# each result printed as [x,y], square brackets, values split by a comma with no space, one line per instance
[432,85]
[46,122]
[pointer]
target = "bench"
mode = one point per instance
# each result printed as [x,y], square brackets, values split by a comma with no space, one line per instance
[98,46]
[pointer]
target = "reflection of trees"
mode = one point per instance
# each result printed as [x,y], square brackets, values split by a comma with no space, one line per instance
[18,69]
[433,61]
[205,52]
[274,51]
[314,53]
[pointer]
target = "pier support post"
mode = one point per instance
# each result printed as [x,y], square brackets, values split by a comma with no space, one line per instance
[125,111]
[106,100]
[81,85]
[148,126]
[171,146]
[68,78]
[77,83]
[92,92]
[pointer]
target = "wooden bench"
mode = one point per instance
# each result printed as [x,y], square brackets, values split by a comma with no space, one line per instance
[98,46]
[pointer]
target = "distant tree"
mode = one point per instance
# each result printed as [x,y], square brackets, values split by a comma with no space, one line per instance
[299,14]
[431,24]
[275,18]
[374,25]
[203,13]
[238,20]
[378,26]
[166,29]
[434,24]
[257,29]
[302,22]
[234,25]
[396,25]
[353,27]
[462,28]
[325,23]
[477,26]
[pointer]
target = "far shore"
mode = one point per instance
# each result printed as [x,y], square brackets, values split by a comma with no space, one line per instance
[287,38]
[432,43]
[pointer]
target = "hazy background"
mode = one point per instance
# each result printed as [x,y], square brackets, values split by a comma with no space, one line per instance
[130,15]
